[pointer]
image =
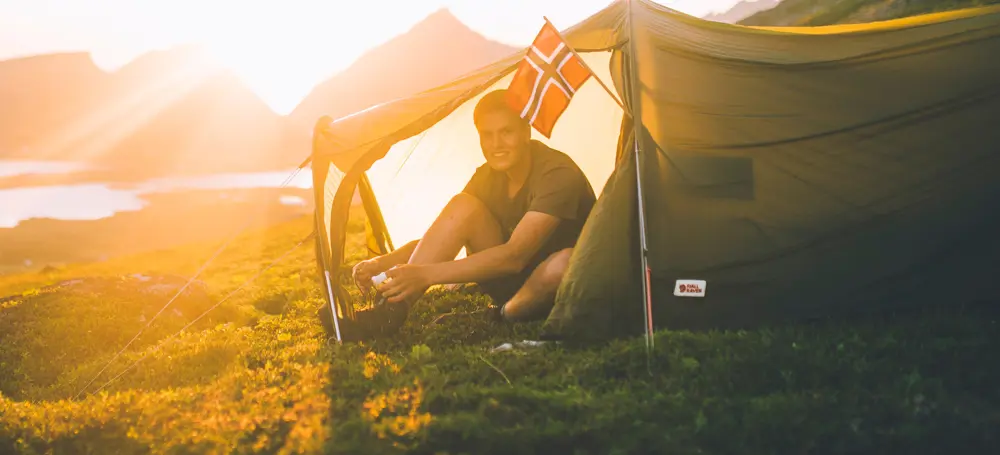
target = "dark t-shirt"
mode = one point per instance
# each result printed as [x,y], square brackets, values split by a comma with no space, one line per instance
[555,186]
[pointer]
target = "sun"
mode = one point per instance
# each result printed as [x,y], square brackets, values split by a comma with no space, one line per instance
[283,53]
[279,67]
[280,79]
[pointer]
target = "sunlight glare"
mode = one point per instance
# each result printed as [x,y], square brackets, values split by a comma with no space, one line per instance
[280,50]
[283,53]
[122,115]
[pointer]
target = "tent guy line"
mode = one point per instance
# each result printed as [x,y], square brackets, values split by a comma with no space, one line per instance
[204,313]
[201,269]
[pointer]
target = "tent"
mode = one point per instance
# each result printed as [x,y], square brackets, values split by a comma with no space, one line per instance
[800,172]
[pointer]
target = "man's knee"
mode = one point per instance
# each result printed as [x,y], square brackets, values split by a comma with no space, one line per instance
[464,206]
[474,222]
[553,269]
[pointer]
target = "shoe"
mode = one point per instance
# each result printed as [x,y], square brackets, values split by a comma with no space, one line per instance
[371,324]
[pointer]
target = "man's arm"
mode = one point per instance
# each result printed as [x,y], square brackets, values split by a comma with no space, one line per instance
[531,233]
[398,256]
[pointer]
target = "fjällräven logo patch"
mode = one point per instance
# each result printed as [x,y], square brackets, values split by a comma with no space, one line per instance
[690,288]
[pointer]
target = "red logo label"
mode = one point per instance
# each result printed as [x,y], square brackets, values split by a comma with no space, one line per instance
[690,288]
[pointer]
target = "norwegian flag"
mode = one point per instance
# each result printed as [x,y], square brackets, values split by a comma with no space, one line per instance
[546,80]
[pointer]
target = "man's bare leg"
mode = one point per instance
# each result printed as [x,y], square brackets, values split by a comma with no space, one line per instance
[464,222]
[536,297]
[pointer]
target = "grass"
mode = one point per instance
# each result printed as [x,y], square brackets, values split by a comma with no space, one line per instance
[259,376]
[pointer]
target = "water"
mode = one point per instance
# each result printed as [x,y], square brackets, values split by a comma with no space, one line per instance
[71,202]
[90,201]
[226,182]
[11,168]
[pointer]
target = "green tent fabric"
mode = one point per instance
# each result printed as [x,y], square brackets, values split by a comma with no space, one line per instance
[801,172]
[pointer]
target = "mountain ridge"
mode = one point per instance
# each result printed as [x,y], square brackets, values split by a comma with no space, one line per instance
[831,12]
[741,10]
[337,96]
[209,120]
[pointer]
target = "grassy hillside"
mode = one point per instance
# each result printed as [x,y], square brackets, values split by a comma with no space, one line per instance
[258,376]
[829,12]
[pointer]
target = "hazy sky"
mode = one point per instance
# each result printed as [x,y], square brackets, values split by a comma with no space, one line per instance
[281,48]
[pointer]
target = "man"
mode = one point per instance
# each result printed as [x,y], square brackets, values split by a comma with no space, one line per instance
[518,217]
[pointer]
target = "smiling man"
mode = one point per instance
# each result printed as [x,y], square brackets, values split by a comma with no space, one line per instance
[518,217]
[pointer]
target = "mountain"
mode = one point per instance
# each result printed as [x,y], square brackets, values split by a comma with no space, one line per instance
[177,112]
[828,12]
[402,66]
[39,93]
[742,10]
[167,112]
[214,125]
[206,117]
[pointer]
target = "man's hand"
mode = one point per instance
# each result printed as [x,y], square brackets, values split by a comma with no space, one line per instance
[363,273]
[365,270]
[406,283]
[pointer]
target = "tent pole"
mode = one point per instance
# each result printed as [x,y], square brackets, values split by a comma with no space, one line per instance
[637,128]
[324,233]
[333,306]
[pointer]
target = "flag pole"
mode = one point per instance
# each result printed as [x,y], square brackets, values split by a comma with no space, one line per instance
[637,129]
[585,65]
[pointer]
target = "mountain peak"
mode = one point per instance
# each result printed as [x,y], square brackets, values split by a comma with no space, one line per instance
[442,15]
[426,54]
[441,20]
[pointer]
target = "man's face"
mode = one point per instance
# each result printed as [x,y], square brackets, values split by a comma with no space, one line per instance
[504,138]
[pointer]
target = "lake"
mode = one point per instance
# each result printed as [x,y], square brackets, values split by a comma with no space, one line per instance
[11,168]
[90,201]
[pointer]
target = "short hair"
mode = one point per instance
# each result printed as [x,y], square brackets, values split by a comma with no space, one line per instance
[493,101]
